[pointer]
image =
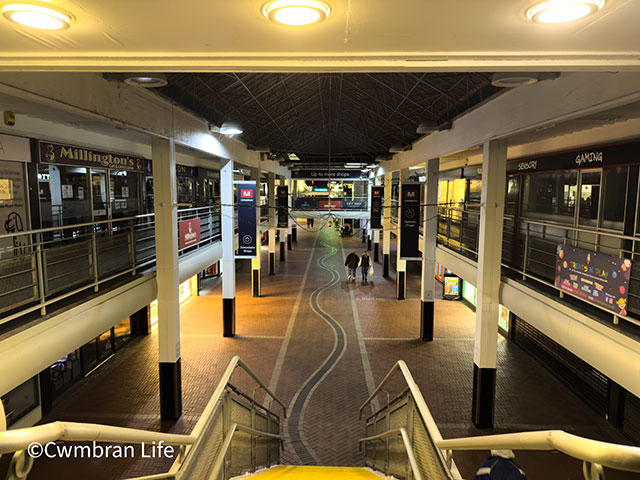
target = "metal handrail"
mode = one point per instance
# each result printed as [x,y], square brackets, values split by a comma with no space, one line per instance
[226,444]
[619,457]
[407,446]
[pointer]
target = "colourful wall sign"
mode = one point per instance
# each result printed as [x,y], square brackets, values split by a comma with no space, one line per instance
[597,278]
[189,232]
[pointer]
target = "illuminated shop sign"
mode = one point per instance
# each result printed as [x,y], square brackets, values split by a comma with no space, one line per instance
[86,157]
[606,156]
[326,174]
[597,278]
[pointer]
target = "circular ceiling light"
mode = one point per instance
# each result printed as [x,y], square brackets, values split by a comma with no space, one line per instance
[147,80]
[511,80]
[563,11]
[296,12]
[37,15]
[230,128]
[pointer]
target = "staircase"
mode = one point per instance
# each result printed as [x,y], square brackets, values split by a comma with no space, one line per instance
[312,473]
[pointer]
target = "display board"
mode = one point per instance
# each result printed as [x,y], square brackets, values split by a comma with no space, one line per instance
[247,226]
[377,196]
[282,200]
[410,221]
[13,209]
[189,232]
[452,289]
[597,278]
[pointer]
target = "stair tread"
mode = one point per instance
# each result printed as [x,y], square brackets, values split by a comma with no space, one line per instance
[311,473]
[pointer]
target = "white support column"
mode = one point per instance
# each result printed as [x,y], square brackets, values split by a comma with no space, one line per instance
[386,235]
[166,230]
[289,200]
[228,249]
[256,262]
[271,196]
[401,265]
[429,234]
[494,164]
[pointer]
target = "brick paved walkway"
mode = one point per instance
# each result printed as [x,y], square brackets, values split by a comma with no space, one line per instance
[288,350]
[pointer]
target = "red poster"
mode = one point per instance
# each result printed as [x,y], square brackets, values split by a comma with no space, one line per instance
[334,204]
[189,231]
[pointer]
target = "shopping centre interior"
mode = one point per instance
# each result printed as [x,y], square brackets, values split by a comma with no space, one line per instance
[182,191]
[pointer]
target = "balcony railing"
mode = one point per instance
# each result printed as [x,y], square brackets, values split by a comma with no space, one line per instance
[45,266]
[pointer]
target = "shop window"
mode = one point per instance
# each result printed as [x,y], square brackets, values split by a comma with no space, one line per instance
[550,195]
[89,356]
[122,333]
[589,197]
[64,372]
[64,198]
[125,198]
[614,197]
[474,195]
[20,401]
[105,346]
[513,193]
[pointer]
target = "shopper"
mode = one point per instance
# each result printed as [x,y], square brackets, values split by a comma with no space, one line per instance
[500,466]
[352,264]
[365,264]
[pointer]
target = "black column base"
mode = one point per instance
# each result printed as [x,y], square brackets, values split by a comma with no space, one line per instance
[400,285]
[272,263]
[426,321]
[376,257]
[484,393]
[294,234]
[140,322]
[228,317]
[255,282]
[283,249]
[385,265]
[170,390]
[369,244]
[289,246]
[615,411]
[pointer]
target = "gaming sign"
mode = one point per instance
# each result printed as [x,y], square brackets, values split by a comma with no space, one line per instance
[247,226]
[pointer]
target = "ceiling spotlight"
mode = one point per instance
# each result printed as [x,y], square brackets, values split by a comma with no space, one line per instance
[147,80]
[296,12]
[427,127]
[511,80]
[230,128]
[563,11]
[37,15]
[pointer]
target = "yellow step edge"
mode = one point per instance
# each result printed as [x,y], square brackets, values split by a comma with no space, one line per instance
[311,473]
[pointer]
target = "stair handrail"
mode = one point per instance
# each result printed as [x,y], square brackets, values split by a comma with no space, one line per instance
[407,446]
[612,455]
[619,457]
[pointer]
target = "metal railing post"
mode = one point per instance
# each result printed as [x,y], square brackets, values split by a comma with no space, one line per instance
[410,410]
[94,258]
[132,248]
[40,273]
[525,259]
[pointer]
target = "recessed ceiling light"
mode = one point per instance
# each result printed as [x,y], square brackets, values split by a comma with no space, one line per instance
[37,15]
[563,11]
[511,80]
[147,80]
[230,128]
[296,12]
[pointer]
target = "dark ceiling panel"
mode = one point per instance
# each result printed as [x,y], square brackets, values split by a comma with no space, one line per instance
[350,116]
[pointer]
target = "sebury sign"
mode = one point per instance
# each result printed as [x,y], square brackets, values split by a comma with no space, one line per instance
[604,156]
[70,155]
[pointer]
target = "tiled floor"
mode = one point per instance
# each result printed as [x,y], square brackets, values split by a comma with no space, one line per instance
[378,330]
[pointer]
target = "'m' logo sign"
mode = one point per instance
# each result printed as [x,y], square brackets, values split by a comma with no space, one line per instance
[410,194]
[246,193]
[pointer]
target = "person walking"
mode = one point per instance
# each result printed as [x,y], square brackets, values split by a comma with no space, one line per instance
[500,466]
[352,264]
[365,264]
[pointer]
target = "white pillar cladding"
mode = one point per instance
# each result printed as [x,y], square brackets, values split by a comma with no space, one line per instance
[429,235]
[228,249]
[282,232]
[271,201]
[386,235]
[256,262]
[494,164]
[289,203]
[401,265]
[163,154]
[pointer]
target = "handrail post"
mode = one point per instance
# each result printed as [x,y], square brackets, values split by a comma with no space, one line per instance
[94,257]
[526,253]
[40,274]
[132,248]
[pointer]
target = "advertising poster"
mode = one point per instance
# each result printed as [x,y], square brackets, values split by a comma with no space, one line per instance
[189,231]
[377,195]
[247,230]
[13,209]
[451,287]
[282,201]
[597,278]
[410,222]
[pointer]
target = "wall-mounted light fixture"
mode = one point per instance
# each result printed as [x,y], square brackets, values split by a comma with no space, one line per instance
[40,15]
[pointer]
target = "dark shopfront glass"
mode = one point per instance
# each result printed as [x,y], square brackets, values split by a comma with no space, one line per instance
[185,190]
[122,333]
[125,197]
[20,401]
[550,196]
[64,196]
